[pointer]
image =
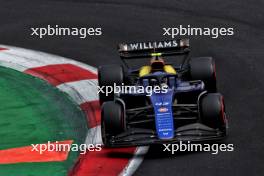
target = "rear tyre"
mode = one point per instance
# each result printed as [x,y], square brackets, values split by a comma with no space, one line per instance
[212,111]
[112,120]
[203,68]
[108,76]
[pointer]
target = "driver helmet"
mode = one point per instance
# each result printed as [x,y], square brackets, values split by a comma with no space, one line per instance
[157,63]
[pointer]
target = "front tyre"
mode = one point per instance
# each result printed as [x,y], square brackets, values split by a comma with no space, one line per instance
[112,120]
[212,111]
[108,76]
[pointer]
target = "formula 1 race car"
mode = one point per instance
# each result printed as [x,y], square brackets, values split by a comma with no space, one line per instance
[187,106]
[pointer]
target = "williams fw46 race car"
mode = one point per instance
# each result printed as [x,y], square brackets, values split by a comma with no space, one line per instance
[187,106]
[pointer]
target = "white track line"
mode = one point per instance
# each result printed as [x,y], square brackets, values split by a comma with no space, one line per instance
[135,162]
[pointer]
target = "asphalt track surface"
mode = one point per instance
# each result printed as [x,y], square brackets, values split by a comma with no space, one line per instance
[239,60]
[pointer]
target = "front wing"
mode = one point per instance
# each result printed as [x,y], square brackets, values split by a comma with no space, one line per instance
[195,132]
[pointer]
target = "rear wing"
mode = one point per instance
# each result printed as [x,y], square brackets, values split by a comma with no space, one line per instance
[155,48]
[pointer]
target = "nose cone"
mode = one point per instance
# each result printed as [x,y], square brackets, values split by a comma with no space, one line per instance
[162,103]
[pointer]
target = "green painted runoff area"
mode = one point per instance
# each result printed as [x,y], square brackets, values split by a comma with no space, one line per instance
[33,112]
